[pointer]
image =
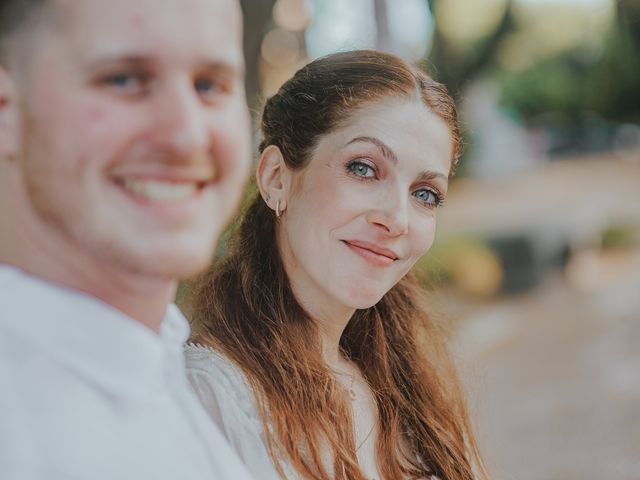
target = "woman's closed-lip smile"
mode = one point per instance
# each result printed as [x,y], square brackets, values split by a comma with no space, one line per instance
[373,253]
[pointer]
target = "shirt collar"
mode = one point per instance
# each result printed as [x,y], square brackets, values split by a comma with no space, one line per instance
[97,341]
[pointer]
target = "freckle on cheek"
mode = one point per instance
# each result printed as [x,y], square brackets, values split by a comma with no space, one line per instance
[95,122]
[94,114]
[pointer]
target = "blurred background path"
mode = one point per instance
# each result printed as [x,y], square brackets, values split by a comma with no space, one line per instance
[555,378]
[554,370]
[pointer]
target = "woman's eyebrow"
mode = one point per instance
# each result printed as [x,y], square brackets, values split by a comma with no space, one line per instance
[432,175]
[393,158]
[386,151]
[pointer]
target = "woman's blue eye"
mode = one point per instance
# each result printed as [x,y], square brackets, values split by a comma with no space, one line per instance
[361,169]
[427,197]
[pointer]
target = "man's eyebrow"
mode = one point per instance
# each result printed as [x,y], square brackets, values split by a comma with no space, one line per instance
[129,60]
[386,151]
[393,158]
[224,67]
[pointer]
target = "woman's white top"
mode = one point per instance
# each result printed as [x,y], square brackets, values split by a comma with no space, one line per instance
[227,397]
[229,400]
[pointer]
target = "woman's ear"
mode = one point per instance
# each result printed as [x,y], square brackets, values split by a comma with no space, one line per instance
[273,178]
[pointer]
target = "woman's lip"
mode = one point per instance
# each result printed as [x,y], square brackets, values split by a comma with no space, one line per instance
[374,254]
[385,252]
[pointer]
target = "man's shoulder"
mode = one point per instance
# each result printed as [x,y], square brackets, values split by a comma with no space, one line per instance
[11,281]
[19,458]
[22,294]
[25,303]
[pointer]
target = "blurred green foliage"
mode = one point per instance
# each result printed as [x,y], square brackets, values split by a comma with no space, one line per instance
[442,263]
[576,82]
[618,236]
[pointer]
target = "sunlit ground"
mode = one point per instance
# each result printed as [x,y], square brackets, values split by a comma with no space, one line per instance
[553,371]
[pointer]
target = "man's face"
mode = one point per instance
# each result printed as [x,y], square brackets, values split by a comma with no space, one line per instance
[134,131]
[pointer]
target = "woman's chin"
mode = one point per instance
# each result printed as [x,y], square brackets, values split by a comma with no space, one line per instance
[364,300]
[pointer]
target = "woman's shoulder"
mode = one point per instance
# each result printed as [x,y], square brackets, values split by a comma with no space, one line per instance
[213,373]
[225,393]
[204,358]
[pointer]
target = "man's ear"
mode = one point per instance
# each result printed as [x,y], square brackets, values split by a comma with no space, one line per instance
[9,125]
[273,178]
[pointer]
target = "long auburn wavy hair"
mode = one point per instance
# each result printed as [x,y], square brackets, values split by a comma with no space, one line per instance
[245,308]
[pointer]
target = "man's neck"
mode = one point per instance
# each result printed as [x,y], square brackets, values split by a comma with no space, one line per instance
[144,300]
[142,297]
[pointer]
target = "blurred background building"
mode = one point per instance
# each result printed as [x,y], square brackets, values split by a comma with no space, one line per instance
[537,262]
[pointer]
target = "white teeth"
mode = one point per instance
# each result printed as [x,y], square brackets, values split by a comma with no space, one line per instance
[158,190]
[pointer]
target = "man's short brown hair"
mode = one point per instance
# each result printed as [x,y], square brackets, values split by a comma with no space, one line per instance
[14,15]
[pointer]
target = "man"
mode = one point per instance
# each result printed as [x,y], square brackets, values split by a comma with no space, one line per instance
[124,145]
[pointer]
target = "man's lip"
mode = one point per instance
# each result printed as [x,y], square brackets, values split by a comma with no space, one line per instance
[199,180]
[372,247]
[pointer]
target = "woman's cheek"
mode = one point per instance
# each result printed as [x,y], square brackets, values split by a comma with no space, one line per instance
[424,238]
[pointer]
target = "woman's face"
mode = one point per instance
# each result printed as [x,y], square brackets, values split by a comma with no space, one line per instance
[363,211]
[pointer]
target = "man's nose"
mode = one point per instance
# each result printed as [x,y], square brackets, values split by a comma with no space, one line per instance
[181,120]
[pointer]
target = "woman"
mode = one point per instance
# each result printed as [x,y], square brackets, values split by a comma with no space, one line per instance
[312,349]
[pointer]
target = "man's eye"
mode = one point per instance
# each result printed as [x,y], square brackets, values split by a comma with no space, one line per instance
[209,88]
[204,85]
[361,169]
[126,83]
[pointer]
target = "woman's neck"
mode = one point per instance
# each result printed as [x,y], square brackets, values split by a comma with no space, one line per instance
[331,320]
[330,316]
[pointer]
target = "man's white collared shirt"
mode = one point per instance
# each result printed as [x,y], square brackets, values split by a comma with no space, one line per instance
[88,393]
